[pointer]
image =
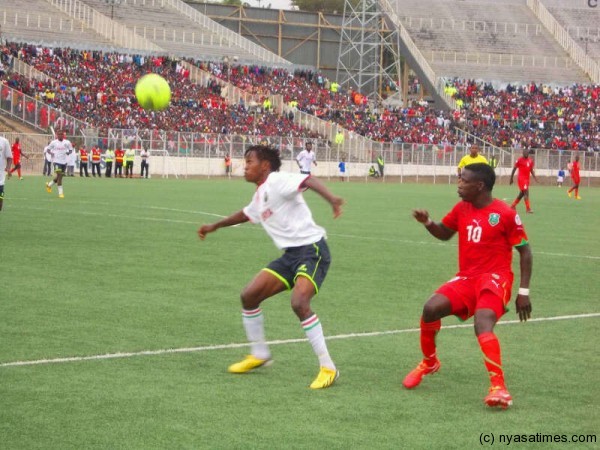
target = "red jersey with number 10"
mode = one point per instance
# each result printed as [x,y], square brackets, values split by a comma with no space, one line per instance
[486,237]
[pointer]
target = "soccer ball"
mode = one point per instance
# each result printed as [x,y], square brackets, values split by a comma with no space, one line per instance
[153,92]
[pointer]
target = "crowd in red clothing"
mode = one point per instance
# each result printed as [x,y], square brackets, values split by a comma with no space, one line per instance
[97,87]
[531,115]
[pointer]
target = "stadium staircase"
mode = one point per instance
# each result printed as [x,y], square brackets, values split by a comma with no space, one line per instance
[575,51]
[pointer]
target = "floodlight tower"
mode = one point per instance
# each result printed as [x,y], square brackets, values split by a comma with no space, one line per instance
[369,58]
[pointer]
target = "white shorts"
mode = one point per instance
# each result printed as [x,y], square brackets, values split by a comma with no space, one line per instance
[560,179]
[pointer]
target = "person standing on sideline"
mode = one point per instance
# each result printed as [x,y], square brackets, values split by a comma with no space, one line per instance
[59,148]
[487,232]
[342,167]
[306,158]
[574,169]
[129,158]
[83,161]
[5,165]
[109,156]
[278,205]
[560,178]
[227,165]
[145,155]
[525,167]
[47,161]
[471,158]
[96,159]
[119,157]
[380,164]
[71,161]
[16,159]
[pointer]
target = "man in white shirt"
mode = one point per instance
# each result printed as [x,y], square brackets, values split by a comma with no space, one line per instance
[60,149]
[278,205]
[306,158]
[47,160]
[6,158]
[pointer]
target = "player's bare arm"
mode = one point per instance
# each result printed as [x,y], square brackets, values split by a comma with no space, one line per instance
[526,263]
[335,202]
[234,219]
[437,230]
[512,175]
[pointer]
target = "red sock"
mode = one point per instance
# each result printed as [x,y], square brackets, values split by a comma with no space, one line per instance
[570,190]
[527,205]
[428,333]
[577,192]
[490,346]
[515,202]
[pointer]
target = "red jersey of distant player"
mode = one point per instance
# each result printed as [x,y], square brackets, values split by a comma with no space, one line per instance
[486,237]
[16,151]
[574,172]
[525,166]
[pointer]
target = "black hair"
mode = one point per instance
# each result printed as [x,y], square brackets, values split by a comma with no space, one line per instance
[483,172]
[266,153]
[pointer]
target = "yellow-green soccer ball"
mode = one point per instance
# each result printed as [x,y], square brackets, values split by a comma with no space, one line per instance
[153,92]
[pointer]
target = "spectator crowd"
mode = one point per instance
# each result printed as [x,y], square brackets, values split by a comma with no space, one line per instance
[97,87]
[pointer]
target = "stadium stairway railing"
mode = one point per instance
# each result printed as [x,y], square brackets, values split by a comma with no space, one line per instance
[587,64]
[105,26]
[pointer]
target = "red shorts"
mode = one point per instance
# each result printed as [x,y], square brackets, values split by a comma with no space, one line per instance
[523,185]
[575,180]
[487,291]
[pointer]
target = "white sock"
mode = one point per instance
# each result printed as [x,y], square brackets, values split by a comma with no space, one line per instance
[60,190]
[254,324]
[314,332]
[50,183]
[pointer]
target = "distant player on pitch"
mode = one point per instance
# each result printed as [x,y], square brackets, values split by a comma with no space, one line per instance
[574,169]
[525,167]
[487,232]
[278,205]
[59,148]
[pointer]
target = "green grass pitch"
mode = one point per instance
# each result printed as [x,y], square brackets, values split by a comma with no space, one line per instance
[117,267]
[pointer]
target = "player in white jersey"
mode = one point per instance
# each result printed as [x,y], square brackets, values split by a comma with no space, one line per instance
[278,205]
[6,159]
[60,148]
[306,158]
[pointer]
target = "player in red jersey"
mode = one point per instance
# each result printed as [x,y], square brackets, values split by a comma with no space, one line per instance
[17,153]
[525,166]
[574,169]
[487,232]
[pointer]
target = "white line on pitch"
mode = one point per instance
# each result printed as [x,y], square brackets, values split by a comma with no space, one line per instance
[276,342]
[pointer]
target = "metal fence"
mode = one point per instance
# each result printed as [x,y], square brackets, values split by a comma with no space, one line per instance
[199,154]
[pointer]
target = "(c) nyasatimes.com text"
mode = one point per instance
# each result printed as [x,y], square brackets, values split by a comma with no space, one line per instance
[541,438]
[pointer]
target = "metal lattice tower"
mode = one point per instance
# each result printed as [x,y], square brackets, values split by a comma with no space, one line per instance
[369,58]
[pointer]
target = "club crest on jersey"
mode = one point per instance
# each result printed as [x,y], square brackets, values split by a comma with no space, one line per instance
[494,219]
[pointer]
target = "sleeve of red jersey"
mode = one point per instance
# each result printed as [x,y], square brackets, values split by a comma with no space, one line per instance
[516,231]
[451,219]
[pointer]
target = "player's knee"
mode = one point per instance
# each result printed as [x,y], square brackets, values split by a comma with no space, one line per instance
[249,299]
[301,306]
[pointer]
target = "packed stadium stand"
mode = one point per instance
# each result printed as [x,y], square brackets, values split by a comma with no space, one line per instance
[96,86]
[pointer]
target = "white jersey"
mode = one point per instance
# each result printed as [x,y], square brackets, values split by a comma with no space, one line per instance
[278,205]
[60,150]
[5,152]
[306,158]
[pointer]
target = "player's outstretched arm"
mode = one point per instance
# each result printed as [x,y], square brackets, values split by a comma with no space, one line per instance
[526,266]
[234,219]
[437,230]
[335,202]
